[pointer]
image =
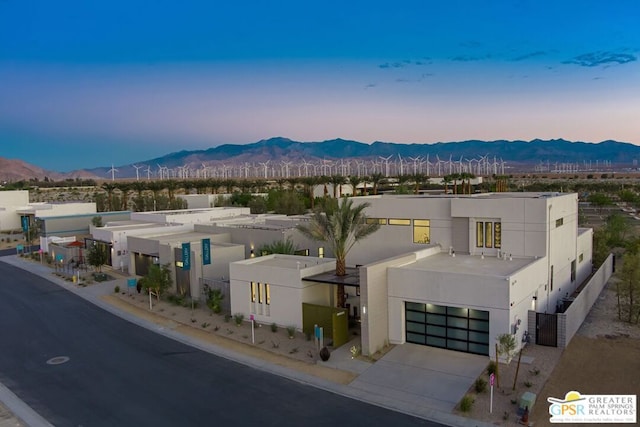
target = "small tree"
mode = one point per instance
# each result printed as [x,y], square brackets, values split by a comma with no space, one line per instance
[214,299]
[628,288]
[97,255]
[96,221]
[158,279]
[506,346]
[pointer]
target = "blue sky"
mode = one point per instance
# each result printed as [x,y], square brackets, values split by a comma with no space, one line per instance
[85,84]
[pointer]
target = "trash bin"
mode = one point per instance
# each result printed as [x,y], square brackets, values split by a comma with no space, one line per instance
[527,400]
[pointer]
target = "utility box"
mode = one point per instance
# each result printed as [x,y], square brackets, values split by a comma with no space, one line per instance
[527,400]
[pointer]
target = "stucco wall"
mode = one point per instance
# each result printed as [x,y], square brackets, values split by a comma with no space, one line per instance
[569,322]
[374,304]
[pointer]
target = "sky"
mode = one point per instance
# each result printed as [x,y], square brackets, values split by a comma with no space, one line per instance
[86,83]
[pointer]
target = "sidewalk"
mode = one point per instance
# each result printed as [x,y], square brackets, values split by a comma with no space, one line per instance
[322,376]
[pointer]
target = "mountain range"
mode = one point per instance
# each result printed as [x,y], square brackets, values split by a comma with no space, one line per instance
[283,149]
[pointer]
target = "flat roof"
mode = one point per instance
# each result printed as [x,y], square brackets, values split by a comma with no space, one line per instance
[490,266]
[505,195]
[291,262]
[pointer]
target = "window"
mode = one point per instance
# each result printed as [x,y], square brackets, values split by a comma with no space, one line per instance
[303,252]
[488,235]
[260,293]
[479,234]
[397,221]
[421,231]
[253,291]
[381,221]
[267,293]
[573,270]
[551,278]
[581,257]
[559,222]
[320,252]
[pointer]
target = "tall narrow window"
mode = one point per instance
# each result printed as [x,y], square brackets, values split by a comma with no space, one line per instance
[551,273]
[320,252]
[267,293]
[253,291]
[497,235]
[479,234]
[573,270]
[260,293]
[421,231]
[488,234]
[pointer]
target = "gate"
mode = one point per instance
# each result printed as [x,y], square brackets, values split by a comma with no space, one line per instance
[547,329]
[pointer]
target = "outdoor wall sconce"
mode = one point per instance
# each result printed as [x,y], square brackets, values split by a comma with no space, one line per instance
[535,298]
[253,255]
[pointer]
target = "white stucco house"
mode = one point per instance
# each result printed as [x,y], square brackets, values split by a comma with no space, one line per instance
[486,260]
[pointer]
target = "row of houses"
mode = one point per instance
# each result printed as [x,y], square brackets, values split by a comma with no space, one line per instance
[451,271]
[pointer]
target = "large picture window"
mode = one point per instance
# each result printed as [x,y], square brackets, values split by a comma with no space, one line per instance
[421,231]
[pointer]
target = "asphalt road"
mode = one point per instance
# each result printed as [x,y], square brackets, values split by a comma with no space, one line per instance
[119,374]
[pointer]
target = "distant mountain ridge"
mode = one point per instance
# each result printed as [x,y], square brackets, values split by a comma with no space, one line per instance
[284,149]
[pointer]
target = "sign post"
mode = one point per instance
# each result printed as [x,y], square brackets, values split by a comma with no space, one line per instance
[253,334]
[492,379]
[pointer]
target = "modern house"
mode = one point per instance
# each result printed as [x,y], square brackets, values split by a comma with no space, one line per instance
[478,264]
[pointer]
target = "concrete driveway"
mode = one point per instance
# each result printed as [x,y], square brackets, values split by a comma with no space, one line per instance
[425,376]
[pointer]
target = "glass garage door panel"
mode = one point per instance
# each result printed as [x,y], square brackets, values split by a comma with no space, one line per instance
[454,328]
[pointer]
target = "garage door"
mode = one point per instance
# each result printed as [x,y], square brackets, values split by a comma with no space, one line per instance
[453,328]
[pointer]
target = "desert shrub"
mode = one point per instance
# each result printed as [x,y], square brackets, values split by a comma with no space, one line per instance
[116,289]
[480,385]
[491,368]
[274,327]
[466,403]
[238,318]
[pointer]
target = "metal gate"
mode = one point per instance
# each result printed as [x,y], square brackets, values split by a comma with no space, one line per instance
[547,329]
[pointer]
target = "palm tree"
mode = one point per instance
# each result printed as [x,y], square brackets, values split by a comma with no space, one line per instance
[446,180]
[355,181]
[336,182]
[376,179]
[109,187]
[341,227]
[418,179]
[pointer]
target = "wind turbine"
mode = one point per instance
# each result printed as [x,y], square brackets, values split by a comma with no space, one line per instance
[386,164]
[113,172]
[148,173]
[137,171]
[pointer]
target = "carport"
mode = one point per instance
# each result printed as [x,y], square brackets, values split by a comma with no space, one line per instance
[419,375]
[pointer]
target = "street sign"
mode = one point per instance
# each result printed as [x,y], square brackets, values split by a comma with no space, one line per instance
[206,251]
[492,379]
[186,256]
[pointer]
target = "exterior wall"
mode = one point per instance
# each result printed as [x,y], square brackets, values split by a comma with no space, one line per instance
[194,216]
[585,247]
[450,289]
[374,303]
[117,236]
[391,240]
[572,318]
[198,201]
[75,225]
[10,202]
[288,290]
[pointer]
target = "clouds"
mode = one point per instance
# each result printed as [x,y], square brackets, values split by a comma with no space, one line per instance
[595,59]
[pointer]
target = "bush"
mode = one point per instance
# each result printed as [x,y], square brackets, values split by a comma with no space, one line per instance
[491,368]
[466,403]
[116,289]
[238,318]
[480,385]
[291,331]
[274,327]
[227,317]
